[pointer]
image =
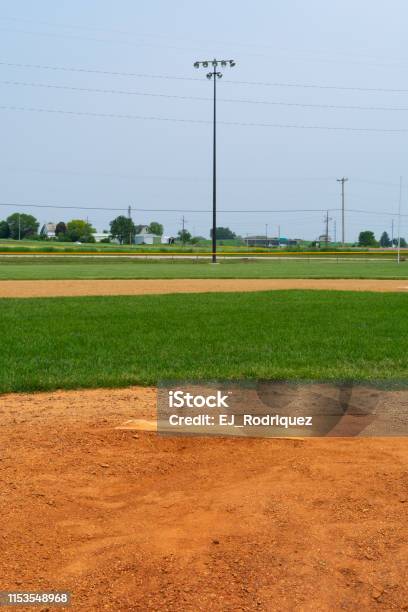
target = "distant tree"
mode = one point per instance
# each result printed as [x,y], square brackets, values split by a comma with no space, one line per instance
[4,229]
[403,242]
[79,231]
[60,228]
[184,236]
[385,240]
[156,228]
[224,233]
[123,229]
[197,239]
[27,223]
[367,239]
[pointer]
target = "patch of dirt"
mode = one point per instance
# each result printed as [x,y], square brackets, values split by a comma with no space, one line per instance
[56,288]
[129,520]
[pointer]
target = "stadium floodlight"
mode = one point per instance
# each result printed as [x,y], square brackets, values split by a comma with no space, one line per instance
[214,75]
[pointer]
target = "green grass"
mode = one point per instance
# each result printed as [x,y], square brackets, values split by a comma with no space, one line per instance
[117,341]
[223,246]
[71,268]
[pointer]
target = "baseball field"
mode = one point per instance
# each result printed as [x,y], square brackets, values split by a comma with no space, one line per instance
[146,522]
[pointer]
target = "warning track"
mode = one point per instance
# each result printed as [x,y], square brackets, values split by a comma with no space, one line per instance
[60,288]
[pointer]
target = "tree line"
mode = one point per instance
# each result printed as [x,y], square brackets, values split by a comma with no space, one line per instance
[19,226]
[367,239]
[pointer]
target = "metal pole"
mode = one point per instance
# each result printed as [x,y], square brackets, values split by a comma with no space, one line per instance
[327,228]
[342,212]
[214,232]
[214,74]
[399,222]
[342,181]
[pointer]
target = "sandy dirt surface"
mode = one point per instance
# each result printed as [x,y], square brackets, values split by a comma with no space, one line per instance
[133,521]
[54,288]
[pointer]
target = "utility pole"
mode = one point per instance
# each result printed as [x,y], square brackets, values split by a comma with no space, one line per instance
[183,224]
[342,181]
[130,227]
[214,75]
[399,221]
[327,219]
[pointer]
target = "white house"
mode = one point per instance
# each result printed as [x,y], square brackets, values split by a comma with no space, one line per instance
[48,230]
[144,236]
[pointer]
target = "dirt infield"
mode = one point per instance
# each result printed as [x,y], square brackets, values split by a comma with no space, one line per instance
[55,288]
[132,521]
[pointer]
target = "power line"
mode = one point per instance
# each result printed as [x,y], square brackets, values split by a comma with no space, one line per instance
[133,35]
[130,42]
[182,210]
[192,210]
[201,98]
[103,72]
[203,121]
[318,86]
[179,78]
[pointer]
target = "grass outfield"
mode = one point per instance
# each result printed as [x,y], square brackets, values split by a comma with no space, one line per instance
[118,341]
[70,268]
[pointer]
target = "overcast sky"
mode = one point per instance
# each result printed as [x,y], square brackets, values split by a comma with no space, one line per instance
[111,162]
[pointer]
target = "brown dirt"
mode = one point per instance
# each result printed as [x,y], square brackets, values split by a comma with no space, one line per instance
[132,521]
[54,288]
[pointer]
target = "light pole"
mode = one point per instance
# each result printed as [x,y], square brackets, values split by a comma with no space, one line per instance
[214,75]
[342,181]
[399,222]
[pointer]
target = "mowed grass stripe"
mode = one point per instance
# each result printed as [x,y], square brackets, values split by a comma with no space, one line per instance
[118,341]
[53,269]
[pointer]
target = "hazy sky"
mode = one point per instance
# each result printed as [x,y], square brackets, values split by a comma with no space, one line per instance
[54,158]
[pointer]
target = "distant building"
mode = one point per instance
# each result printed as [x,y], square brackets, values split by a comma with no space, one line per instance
[48,230]
[101,236]
[265,241]
[324,239]
[144,236]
